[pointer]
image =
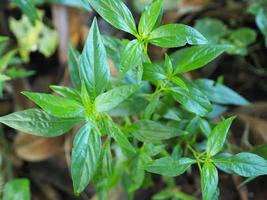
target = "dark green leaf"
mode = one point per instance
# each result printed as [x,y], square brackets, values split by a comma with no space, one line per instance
[39,123]
[204,126]
[150,131]
[85,157]
[94,68]
[17,189]
[192,100]
[119,137]
[260,151]
[114,97]
[219,93]
[116,13]
[167,166]
[133,105]
[131,56]
[218,136]
[152,106]
[209,181]
[54,105]
[149,18]
[192,58]
[153,72]
[175,35]
[73,61]
[243,164]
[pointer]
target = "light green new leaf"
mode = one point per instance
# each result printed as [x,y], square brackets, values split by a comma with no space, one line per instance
[116,13]
[85,156]
[242,164]
[131,56]
[66,92]
[209,181]
[219,93]
[175,35]
[119,137]
[151,131]
[192,58]
[218,136]
[167,166]
[55,105]
[114,97]
[193,100]
[28,9]
[149,18]
[261,20]
[94,68]
[39,123]
[17,189]
[73,61]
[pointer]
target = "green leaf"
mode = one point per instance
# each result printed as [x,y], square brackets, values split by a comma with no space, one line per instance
[209,181]
[153,72]
[204,127]
[73,61]
[28,9]
[167,166]
[218,136]
[114,97]
[261,20]
[94,68]
[39,123]
[116,13]
[260,150]
[66,92]
[152,106]
[192,100]
[15,72]
[54,105]
[5,59]
[175,35]
[151,131]
[192,58]
[179,82]
[3,38]
[219,93]
[85,156]
[131,56]
[149,18]
[242,164]
[17,189]
[243,37]
[212,29]
[133,105]
[119,137]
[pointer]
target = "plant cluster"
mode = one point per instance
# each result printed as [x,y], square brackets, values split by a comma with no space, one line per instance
[149,119]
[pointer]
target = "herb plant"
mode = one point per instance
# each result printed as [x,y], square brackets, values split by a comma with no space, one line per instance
[150,117]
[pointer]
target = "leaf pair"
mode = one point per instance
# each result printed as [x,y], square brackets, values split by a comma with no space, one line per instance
[167,36]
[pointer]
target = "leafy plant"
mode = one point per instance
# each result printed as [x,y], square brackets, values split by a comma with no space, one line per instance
[218,33]
[169,130]
[9,64]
